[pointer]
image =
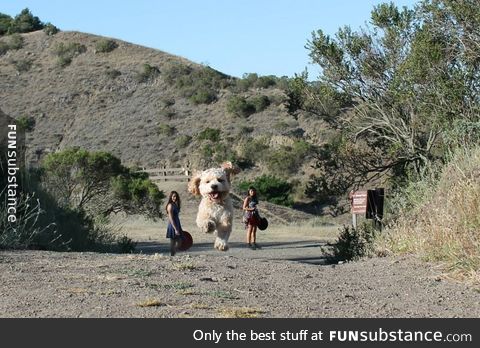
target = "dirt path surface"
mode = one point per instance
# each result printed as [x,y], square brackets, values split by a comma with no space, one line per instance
[286,278]
[49,284]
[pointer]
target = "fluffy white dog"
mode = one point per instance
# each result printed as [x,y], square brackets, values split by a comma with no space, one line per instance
[215,212]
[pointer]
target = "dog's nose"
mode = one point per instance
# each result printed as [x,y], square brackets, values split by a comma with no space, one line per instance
[214,187]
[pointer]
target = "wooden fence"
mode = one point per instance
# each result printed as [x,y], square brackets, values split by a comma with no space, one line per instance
[168,174]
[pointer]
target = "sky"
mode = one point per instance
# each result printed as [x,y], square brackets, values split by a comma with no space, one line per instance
[266,37]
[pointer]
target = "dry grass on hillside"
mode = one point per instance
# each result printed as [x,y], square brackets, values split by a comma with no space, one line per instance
[445,227]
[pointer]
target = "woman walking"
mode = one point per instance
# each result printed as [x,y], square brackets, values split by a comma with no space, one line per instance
[174,228]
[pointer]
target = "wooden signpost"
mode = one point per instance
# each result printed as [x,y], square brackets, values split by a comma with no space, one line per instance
[359,201]
[370,204]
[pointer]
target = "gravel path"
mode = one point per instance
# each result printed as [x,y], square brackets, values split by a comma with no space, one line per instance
[234,284]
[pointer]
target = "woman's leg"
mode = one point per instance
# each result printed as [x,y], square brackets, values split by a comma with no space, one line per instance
[173,246]
[249,234]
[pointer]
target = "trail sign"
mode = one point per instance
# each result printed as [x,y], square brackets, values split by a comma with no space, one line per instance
[359,200]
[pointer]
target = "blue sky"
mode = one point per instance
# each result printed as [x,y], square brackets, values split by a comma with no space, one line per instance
[267,37]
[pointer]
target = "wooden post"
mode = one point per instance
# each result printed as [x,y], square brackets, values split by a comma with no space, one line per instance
[354,220]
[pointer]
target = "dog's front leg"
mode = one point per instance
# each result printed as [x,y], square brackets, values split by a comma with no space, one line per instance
[205,223]
[224,228]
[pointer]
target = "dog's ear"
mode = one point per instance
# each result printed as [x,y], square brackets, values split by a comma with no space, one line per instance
[193,184]
[230,169]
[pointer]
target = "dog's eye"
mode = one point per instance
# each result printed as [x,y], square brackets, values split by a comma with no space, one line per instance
[220,180]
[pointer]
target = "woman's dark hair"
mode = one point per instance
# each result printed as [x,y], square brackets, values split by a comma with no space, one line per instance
[171,201]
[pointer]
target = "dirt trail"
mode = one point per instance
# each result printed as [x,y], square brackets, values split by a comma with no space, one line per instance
[286,278]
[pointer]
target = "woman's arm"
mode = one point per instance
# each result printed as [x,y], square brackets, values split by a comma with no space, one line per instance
[245,205]
[170,218]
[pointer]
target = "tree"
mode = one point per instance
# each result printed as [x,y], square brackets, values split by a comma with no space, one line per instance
[5,22]
[25,22]
[408,77]
[99,184]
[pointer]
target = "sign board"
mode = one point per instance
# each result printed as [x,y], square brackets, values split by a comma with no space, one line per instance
[359,202]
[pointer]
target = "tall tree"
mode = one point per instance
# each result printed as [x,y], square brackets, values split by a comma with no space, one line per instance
[409,75]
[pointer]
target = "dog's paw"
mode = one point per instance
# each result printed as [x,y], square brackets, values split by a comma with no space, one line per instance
[208,226]
[221,244]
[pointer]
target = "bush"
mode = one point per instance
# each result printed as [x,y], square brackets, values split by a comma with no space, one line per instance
[105,46]
[166,129]
[212,134]
[147,73]
[50,29]
[22,65]
[15,42]
[5,23]
[112,73]
[4,47]
[239,106]
[26,123]
[26,228]
[288,159]
[271,188]
[204,96]
[260,102]
[183,140]
[353,244]
[66,52]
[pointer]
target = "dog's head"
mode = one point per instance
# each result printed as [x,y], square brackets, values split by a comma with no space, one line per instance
[214,183]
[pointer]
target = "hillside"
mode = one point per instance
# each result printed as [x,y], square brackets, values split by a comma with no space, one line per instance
[133,101]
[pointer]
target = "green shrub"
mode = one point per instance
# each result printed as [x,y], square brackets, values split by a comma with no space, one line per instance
[212,134]
[50,29]
[353,244]
[239,106]
[147,73]
[15,41]
[22,65]
[5,23]
[253,150]
[260,102]
[166,129]
[126,245]
[66,52]
[26,228]
[105,46]
[26,123]
[271,188]
[203,96]
[287,159]
[4,47]
[112,73]
[183,140]
[266,81]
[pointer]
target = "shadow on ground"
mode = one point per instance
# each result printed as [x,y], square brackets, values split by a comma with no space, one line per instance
[309,252]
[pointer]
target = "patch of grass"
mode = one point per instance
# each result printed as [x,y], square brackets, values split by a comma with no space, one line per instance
[440,217]
[222,294]
[185,266]
[197,305]
[183,140]
[151,303]
[178,286]
[139,272]
[22,65]
[147,73]
[67,51]
[105,46]
[244,312]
